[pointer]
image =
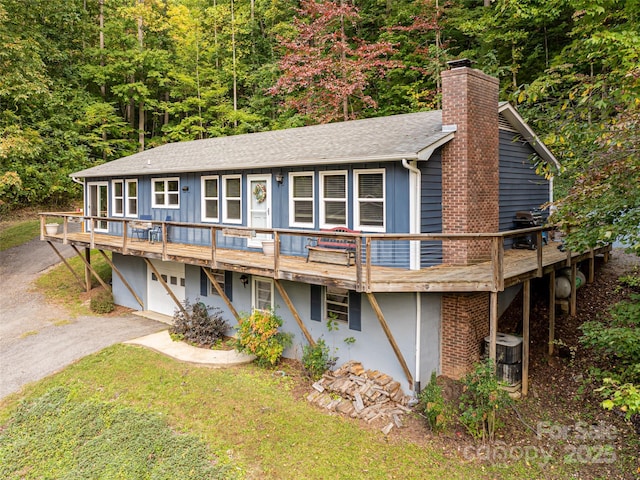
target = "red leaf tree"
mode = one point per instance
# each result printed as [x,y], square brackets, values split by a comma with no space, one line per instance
[326,71]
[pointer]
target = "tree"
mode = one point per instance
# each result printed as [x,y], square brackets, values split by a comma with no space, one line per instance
[326,69]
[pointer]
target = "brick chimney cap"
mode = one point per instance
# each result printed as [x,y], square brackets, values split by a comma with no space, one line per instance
[462,62]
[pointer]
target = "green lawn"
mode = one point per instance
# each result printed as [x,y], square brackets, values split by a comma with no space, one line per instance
[247,417]
[19,233]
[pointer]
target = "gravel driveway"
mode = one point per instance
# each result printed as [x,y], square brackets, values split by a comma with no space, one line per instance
[37,338]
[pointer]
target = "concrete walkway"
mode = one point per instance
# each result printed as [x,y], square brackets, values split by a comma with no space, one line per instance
[161,342]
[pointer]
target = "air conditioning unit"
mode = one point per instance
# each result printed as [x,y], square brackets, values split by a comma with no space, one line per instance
[508,357]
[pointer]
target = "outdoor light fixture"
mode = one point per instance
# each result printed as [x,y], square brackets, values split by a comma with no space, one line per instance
[185,188]
[279,178]
[245,280]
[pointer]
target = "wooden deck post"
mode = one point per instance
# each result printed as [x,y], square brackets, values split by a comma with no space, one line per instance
[276,255]
[124,281]
[592,266]
[164,284]
[573,306]
[526,310]
[88,269]
[214,263]
[223,295]
[497,262]
[493,325]
[294,312]
[552,310]
[392,340]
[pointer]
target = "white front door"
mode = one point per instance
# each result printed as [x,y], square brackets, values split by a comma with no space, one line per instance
[98,204]
[259,203]
[158,299]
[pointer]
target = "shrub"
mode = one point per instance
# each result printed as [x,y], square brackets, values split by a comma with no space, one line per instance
[434,405]
[481,400]
[102,302]
[258,335]
[316,359]
[199,324]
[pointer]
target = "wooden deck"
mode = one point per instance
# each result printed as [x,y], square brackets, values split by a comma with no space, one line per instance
[515,267]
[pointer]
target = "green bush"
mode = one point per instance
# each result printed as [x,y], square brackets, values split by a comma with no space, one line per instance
[199,324]
[481,401]
[102,302]
[434,405]
[316,359]
[258,335]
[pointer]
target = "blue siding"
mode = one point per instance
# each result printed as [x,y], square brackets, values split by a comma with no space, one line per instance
[520,187]
[431,209]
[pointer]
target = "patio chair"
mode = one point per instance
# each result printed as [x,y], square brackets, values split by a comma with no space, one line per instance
[155,234]
[141,227]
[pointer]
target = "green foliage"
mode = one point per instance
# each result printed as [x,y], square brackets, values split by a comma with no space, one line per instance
[199,324]
[55,436]
[616,342]
[102,302]
[317,359]
[259,335]
[618,339]
[626,397]
[482,400]
[631,280]
[19,233]
[435,407]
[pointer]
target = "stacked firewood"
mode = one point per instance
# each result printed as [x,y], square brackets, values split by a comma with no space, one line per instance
[366,394]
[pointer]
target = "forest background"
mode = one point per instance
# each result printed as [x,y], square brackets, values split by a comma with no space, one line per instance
[87,81]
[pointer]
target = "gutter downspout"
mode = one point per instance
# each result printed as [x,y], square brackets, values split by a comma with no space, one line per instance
[414,252]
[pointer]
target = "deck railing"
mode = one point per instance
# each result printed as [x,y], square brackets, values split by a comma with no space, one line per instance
[372,249]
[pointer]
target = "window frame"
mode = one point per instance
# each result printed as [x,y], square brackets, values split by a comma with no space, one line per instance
[226,199]
[293,200]
[204,198]
[357,200]
[166,192]
[114,198]
[323,199]
[254,280]
[327,310]
[128,198]
[219,275]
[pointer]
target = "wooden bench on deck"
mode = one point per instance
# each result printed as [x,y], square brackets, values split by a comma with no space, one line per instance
[339,251]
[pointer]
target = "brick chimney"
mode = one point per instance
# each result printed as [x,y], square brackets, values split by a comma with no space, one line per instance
[470,189]
[470,161]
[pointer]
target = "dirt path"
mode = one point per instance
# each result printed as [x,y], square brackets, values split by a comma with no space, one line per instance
[38,338]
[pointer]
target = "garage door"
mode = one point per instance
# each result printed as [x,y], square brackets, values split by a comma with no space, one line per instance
[173,274]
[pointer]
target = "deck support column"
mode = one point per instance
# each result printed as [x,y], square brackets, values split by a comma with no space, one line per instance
[493,325]
[552,310]
[164,284]
[294,312]
[124,281]
[573,304]
[526,311]
[88,269]
[220,291]
[392,340]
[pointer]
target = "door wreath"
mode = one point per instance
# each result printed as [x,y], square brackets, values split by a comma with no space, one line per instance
[260,192]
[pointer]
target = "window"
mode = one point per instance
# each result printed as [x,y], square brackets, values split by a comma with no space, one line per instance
[166,192]
[132,198]
[369,200]
[301,200]
[219,276]
[262,293]
[118,198]
[333,210]
[232,199]
[210,199]
[336,302]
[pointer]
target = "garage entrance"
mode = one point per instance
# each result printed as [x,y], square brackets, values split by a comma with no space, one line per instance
[158,298]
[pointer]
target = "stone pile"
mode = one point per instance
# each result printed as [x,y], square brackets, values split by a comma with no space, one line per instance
[366,394]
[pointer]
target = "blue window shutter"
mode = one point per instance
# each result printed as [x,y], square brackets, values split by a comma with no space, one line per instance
[228,284]
[316,303]
[354,311]
[204,283]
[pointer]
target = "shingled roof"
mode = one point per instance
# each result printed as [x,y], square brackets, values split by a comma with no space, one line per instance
[374,139]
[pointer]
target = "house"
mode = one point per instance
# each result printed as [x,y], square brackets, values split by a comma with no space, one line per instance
[429,199]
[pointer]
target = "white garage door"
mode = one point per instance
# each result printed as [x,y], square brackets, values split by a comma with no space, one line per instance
[173,274]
